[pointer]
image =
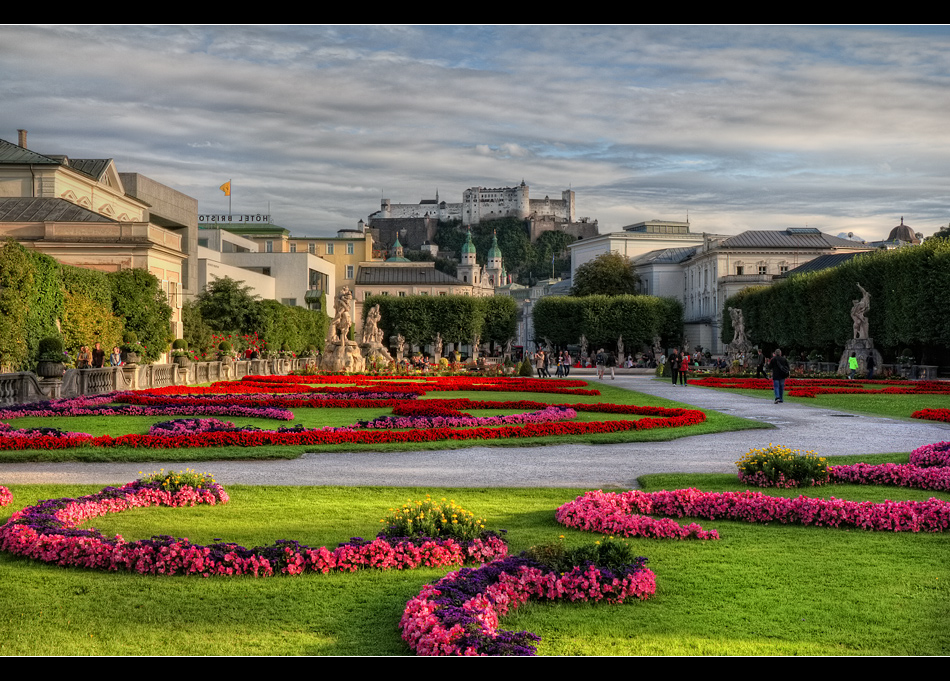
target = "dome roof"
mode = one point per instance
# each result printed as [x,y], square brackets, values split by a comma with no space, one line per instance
[903,233]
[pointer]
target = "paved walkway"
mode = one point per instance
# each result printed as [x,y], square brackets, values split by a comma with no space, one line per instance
[593,466]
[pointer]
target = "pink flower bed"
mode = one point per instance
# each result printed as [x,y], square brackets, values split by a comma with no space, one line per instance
[6,496]
[607,512]
[49,532]
[459,614]
[623,514]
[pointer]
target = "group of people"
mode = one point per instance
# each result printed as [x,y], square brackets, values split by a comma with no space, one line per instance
[96,358]
[542,360]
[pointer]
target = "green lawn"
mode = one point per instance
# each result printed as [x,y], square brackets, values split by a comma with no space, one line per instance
[764,590]
[119,425]
[895,406]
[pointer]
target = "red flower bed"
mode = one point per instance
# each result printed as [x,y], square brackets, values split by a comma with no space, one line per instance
[655,417]
[811,387]
[932,415]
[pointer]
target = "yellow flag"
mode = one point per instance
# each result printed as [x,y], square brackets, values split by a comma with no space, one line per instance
[226,188]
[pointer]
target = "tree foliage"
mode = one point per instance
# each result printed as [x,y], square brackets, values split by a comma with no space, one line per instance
[228,307]
[609,274]
[459,319]
[603,319]
[138,299]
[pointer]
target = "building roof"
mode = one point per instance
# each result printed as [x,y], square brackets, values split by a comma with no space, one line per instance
[27,209]
[14,153]
[665,255]
[93,167]
[822,262]
[422,274]
[903,233]
[794,237]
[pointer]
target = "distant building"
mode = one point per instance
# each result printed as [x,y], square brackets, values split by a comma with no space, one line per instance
[416,223]
[84,212]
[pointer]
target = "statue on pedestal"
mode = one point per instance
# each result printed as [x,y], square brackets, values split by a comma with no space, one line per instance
[340,354]
[374,352]
[859,314]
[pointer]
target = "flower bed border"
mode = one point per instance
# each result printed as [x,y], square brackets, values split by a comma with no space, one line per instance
[48,532]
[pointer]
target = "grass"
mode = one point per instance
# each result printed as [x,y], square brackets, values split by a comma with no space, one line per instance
[760,590]
[118,425]
[894,406]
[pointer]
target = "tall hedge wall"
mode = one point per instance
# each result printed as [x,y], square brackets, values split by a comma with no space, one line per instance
[603,319]
[908,287]
[458,318]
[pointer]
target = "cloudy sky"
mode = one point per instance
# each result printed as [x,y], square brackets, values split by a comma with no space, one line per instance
[839,128]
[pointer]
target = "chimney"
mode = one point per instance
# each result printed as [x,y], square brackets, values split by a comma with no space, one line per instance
[21,138]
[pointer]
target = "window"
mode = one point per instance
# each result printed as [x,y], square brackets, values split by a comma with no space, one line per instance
[762,269]
[740,270]
[293,248]
[312,248]
[443,293]
[367,294]
[349,271]
[329,249]
[291,302]
[268,246]
[783,269]
[402,294]
[349,249]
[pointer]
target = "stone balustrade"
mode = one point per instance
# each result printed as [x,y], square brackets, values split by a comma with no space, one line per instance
[25,386]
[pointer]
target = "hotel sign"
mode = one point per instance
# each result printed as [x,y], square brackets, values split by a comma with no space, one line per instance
[235,219]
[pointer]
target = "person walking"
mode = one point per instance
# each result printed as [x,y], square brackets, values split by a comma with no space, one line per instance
[760,365]
[674,361]
[779,368]
[601,363]
[684,369]
[852,366]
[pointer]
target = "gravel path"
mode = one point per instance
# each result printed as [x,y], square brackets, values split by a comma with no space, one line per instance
[594,466]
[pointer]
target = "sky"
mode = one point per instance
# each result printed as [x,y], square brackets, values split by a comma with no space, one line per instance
[735,127]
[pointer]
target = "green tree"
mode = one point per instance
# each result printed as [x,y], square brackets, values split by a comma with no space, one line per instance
[137,297]
[227,306]
[609,274]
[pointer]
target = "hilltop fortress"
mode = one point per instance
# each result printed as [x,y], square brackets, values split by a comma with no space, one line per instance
[481,203]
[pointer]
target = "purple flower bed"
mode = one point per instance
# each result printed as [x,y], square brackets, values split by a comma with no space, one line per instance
[548,415]
[97,406]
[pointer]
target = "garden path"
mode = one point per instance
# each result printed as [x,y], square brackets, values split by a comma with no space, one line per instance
[797,426]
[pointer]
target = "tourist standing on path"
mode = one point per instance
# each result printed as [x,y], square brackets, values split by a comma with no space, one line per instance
[601,363]
[567,363]
[674,362]
[611,364]
[684,369]
[779,368]
[852,366]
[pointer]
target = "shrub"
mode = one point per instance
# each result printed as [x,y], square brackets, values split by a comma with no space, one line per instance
[428,518]
[174,482]
[613,554]
[179,344]
[778,466]
[525,368]
[51,349]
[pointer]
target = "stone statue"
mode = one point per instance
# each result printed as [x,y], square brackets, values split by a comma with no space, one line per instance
[620,355]
[374,351]
[657,348]
[507,351]
[475,343]
[859,314]
[740,348]
[400,347]
[548,348]
[583,344]
[438,347]
[738,326]
[340,354]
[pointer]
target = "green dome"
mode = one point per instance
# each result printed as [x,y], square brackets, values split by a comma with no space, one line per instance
[468,247]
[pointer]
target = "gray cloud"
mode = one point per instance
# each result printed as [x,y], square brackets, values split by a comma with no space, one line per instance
[744,127]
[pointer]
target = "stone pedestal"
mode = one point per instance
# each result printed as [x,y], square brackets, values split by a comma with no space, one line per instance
[862,348]
[342,356]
